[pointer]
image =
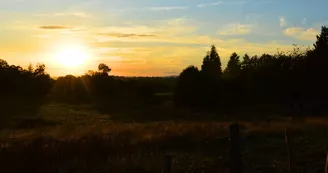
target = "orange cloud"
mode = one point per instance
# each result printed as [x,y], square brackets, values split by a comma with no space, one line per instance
[54,27]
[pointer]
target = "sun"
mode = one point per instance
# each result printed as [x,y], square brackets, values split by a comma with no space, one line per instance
[72,57]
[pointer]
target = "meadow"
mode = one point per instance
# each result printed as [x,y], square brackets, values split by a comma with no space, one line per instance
[98,122]
[67,138]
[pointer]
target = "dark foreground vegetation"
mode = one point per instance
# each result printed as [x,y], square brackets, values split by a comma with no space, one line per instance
[99,145]
[103,123]
[286,83]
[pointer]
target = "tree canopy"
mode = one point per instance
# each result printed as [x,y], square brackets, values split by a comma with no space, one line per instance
[287,82]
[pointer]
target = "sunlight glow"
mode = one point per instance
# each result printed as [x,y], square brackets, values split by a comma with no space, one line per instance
[72,57]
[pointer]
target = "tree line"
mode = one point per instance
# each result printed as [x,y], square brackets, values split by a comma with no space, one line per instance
[291,82]
[19,82]
[94,87]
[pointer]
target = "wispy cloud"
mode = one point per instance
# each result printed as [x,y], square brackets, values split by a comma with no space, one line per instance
[209,4]
[122,35]
[130,49]
[301,33]
[167,8]
[236,29]
[283,22]
[153,8]
[304,21]
[216,3]
[63,14]
[165,31]
[177,21]
[175,41]
[54,27]
[239,2]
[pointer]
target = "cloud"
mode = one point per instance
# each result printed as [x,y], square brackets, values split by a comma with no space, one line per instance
[153,49]
[163,31]
[175,42]
[283,22]
[210,4]
[76,14]
[63,14]
[301,33]
[304,21]
[161,58]
[167,8]
[236,29]
[120,35]
[154,8]
[162,36]
[177,21]
[54,27]
[216,3]
[238,2]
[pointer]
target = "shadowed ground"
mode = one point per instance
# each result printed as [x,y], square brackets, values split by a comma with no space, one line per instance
[80,139]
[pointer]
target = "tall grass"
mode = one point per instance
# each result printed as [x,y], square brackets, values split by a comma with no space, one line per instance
[83,140]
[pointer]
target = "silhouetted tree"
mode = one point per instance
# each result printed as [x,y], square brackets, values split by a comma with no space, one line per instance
[104,69]
[322,40]
[90,72]
[30,68]
[24,83]
[211,67]
[233,68]
[317,63]
[211,73]
[187,92]
[40,70]
[206,64]
[3,64]
[285,83]
[245,64]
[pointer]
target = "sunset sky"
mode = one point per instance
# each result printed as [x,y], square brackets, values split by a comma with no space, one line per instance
[151,37]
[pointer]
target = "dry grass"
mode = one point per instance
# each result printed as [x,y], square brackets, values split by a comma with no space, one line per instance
[79,139]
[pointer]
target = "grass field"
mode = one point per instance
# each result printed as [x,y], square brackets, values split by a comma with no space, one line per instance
[79,139]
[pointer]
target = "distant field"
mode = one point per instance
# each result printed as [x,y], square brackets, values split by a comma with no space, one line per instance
[80,139]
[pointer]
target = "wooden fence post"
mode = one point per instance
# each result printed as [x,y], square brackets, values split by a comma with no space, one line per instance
[167,164]
[289,152]
[236,164]
[326,170]
[326,166]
